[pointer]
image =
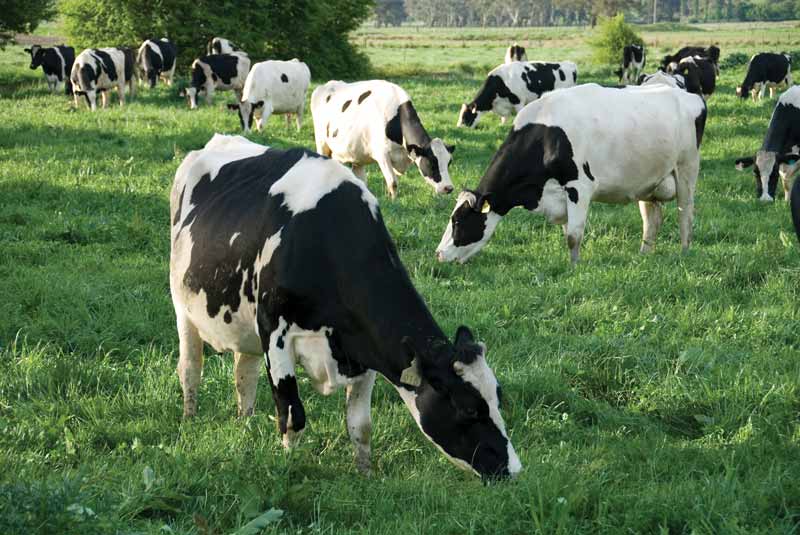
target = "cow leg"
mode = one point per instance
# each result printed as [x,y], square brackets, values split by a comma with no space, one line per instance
[281,363]
[266,112]
[385,163]
[298,117]
[772,92]
[104,99]
[288,119]
[359,420]
[762,91]
[651,222]
[361,172]
[121,90]
[245,370]
[190,363]
[577,211]
[685,181]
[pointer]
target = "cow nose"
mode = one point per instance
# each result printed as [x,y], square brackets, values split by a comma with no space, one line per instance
[440,256]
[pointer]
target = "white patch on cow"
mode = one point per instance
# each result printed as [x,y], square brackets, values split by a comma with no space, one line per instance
[301,194]
[233,238]
[265,255]
[447,251]
[443,157]
[281,361]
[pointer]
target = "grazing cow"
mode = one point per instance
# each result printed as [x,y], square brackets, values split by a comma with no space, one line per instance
[100,70]
[766,70]
[217,72]
[375,121]
[284,254]
[156,58]
[670,62]
[583,144]
[273,87]
[56,63]
[633,61]
[778,155]
[508,88]
[516,53]
[699,69]
[220,45]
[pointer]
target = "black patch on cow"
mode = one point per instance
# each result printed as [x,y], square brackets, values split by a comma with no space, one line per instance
[287,399]
[542,78]
[129,60]
[107,64]
[227,316]
[572,193]
[711,53]
[699,74]
[468,223]
[346,105]
[284,79]
[335,133]
[177,217]
[328,98]
[700,125]
[223,67]
[493,87]
[765,67]
[345,365]
[364,96]
[784,129]
[406,129]
[562,75]
[588,171]
[574,76]
[328,130]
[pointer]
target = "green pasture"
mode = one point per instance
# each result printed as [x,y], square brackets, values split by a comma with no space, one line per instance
[645,394]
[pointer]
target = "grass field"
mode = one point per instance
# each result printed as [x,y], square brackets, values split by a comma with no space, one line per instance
[652,393]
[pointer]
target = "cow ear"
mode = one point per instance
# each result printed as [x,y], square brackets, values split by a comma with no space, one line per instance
[744,163]
[463,337]
[483,203]
[414,150]
[233,107]
[28,50]
[450,148]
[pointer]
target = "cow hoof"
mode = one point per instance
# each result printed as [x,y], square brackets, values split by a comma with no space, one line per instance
[291,439]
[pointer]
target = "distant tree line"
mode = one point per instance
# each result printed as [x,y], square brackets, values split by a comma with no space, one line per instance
[577,12]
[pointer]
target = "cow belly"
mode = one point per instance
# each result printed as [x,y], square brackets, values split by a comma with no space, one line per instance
[313,352]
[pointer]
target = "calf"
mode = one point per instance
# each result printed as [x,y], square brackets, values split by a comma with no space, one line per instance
[56,63]
[375,121]
[217,72]
[700,70]
[584,144]
[220,45]
[156,58]
[779,151]
[508,88]
[516,53]
[766,70]
[273,87]
[284,254]
[670,62]
[100,70]
[633,61]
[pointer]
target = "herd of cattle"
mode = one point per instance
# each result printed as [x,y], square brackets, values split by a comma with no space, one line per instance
[283,254]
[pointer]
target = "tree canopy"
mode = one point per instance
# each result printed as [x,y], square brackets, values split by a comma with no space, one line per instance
[18,16]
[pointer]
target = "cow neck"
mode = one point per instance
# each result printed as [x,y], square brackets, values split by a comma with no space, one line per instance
[411,127]
[516,175]
[386,309]
[484,100]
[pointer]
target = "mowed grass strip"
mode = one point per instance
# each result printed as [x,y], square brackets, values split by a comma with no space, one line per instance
[644,393]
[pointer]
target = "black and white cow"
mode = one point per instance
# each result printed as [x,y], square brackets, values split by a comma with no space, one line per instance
[101,70]
[375,121]
[670,61]
[584,144]
[633,61]
[795,206]
[766,70]
[778,155]
[56,63]
[283,255]
[516,53]
[217,72]
[700,69]
[508,88]
[220,45]
[273,87]
[156,58]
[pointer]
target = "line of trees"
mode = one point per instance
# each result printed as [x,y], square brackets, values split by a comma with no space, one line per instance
[577,12]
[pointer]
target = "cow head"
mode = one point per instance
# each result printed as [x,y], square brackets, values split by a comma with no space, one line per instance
[767,167]
[37,55]
[246,110]
[468,116]
[471,225]
[456,403]
[433,161]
